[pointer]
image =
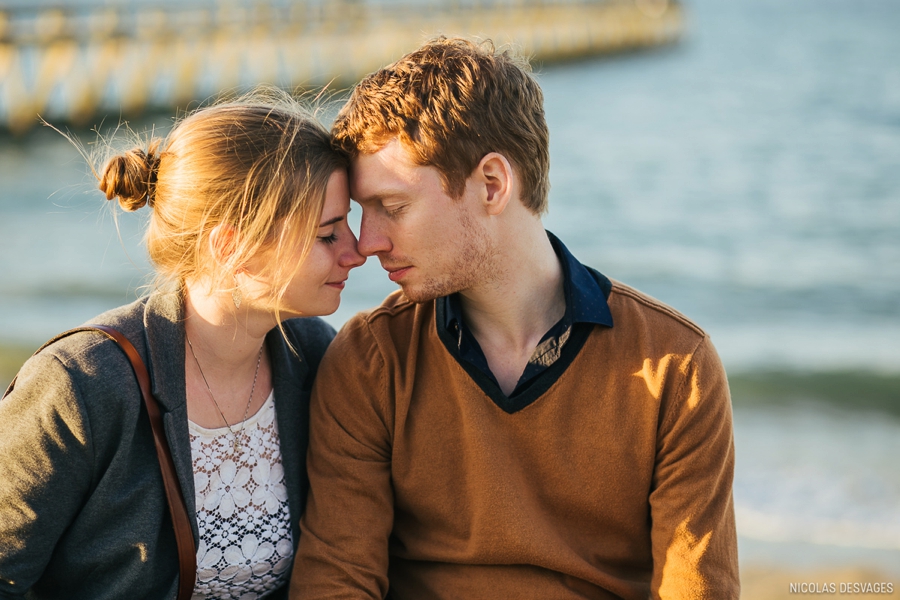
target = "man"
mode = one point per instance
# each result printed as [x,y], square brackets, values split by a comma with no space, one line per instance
[512,424]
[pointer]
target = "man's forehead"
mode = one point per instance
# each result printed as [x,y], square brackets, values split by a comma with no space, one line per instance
[392,155]
[388,170]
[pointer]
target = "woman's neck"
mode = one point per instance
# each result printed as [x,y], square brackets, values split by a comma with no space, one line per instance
[229,336]
[223,349]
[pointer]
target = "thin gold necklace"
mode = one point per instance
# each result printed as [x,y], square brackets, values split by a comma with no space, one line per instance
[236,441]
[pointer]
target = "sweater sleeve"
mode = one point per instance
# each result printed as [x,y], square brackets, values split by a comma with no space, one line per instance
[692,513]
[46,464]
[343,549]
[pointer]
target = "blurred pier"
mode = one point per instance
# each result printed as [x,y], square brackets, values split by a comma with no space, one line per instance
[77,61]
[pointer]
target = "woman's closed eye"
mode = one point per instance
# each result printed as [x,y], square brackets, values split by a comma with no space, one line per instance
[328,230]
[328,239]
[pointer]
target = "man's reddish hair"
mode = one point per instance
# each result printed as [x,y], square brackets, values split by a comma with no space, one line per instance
[450,103]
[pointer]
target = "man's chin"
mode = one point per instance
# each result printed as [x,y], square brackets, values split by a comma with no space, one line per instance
[416,295]
[420,294]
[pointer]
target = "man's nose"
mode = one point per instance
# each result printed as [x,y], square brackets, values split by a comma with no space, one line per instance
[372,237]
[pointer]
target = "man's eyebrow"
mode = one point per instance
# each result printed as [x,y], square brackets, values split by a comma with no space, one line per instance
[337,219]
[382,196]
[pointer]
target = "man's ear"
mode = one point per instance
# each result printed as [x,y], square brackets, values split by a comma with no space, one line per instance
[495,172]
[222,241]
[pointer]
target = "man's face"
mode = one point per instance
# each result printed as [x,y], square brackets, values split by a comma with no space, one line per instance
[430,244]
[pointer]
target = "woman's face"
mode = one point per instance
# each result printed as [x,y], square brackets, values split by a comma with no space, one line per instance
[315,288]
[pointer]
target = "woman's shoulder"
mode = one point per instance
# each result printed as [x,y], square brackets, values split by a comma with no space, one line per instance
[82,343]
[82,360]
[79,379]
[84,346]
[309,337]
[312,333]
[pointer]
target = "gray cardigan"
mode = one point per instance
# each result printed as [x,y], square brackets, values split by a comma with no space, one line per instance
[83,513]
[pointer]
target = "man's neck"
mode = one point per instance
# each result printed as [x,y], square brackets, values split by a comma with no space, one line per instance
[510,314]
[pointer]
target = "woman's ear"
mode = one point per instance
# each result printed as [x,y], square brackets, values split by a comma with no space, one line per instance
[222,242]
[495,172]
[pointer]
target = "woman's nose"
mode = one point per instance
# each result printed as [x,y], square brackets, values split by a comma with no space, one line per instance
[350,257]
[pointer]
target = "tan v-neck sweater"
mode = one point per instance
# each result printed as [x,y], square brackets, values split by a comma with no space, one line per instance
[614,483]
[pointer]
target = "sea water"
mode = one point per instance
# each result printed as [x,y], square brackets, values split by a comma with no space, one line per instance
[749,177]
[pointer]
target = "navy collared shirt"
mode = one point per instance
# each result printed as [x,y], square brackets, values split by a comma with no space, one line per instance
[585,303]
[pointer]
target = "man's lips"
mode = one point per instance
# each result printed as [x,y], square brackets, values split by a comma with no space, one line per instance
[396,273]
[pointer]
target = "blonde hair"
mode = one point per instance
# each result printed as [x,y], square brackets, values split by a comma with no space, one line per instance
[259,165]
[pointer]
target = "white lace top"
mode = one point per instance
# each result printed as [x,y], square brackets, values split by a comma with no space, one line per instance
[245,546]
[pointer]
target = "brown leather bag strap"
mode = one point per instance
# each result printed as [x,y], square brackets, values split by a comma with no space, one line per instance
[184,537]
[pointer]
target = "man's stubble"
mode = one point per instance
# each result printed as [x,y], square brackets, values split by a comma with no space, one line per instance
[473,265]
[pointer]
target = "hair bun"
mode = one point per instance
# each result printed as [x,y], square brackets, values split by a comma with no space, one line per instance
[131,177]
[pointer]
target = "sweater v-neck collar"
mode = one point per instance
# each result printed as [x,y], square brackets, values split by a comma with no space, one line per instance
[522,397]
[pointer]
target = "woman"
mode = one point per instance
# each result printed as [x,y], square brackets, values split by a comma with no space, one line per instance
[247,229]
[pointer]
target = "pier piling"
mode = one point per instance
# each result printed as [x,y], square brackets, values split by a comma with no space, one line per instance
[69,64]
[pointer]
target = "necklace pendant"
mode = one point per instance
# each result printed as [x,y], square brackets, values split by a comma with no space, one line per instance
[237,445]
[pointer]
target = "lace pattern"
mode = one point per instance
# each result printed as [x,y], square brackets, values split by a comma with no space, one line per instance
[245,548]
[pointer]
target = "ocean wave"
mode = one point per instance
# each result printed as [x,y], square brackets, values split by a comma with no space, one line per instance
[815,474]
[61,291]
[781,528]
[848,389]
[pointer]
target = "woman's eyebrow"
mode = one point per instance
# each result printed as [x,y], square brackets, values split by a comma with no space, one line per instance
[331,221]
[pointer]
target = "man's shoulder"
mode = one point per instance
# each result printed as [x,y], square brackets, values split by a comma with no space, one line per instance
[395,305]
[373,345]
[395,311]
[391,323]
[632,308]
